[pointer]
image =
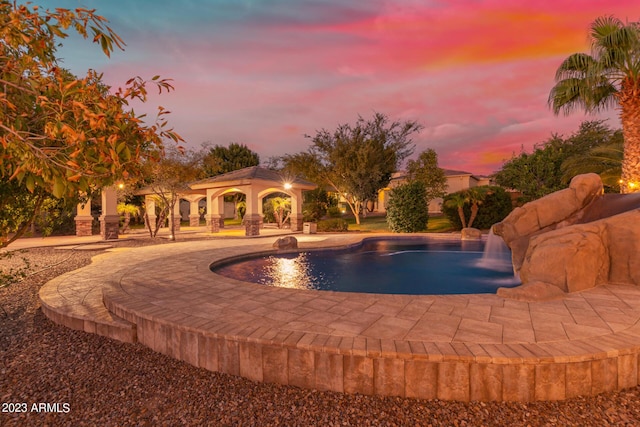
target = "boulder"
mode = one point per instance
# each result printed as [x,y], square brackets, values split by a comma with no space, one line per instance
[572,258]
[556,210]
[470,233]
[579,257]
[287,242]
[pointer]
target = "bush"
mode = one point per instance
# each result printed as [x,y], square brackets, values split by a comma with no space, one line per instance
[495,207]
[334,212]
[407,211]
[334,224]
[315,204]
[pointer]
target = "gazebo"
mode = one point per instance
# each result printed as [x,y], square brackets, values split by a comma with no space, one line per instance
[256,183]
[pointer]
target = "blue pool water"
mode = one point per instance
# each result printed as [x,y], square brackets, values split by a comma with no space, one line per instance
[421,267]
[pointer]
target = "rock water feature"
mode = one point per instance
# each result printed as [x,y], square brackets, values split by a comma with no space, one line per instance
[572,240]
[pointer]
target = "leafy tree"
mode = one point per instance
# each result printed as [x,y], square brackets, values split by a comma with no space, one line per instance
[17,209]
[552,164]
[61,134]
[281,209]
[456,201]
[127,210]
[406,211]
[316,203]
[356,161]
[609,77]
[492,205]
[534,174]
[222,159]
[167,178]
[603,157]
[425,169]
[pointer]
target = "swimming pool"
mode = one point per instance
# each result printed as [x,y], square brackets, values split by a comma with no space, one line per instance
[395,266]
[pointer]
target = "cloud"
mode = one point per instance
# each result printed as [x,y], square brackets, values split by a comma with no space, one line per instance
[476,74]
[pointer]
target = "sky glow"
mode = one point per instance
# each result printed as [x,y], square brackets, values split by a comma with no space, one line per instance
[475,74]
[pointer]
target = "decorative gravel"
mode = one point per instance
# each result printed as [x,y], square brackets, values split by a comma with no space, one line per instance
[80,379]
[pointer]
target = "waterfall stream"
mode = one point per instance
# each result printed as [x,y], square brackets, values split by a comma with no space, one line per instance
[497,255]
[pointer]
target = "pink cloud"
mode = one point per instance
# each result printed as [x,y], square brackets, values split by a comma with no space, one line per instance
[475,74]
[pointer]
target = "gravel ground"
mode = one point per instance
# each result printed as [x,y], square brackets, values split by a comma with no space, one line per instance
[98,381]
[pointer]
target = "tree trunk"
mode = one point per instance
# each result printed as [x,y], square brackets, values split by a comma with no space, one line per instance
[461,215]
[474,213]
[127,220]
[172,217]
[6,240]
[629,99]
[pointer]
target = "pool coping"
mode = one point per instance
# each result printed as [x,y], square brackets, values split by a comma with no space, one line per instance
[395,345]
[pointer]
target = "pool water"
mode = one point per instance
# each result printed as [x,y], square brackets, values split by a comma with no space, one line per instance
[421,267]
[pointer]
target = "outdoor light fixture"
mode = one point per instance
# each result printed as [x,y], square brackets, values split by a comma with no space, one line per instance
[287,186]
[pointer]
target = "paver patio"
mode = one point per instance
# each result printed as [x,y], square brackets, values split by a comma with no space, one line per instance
[456,347]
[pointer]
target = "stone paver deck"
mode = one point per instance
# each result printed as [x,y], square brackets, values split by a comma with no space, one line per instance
[456,347]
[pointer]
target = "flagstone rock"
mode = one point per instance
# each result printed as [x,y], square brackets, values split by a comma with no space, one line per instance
[572,240]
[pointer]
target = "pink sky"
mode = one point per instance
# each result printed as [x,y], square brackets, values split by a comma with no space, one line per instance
[475,74]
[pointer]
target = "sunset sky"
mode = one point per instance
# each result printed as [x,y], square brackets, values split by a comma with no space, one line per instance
[476,74]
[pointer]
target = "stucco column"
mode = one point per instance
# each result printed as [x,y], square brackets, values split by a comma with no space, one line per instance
[109,220]
[84,220]
[296,217]
[194,214]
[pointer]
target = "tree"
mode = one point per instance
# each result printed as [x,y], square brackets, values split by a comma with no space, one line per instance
[534,174]
[476,197]
[127,210]
[222,159]
[492,205]
[356,161]
[425,169]
[552,164]
[407,212]
[281,209]
[167,178]
[609,77]
[316,203]
[17,209]
[602,156]
[457,201]
[60,134]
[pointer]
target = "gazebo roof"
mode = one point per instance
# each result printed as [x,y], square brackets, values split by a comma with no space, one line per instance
[247,175]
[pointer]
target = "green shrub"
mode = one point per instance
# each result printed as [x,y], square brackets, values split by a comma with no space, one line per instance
[407,210]
[493,209]
[333,225]
[334,212]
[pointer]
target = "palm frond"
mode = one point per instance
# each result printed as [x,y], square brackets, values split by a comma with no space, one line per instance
[566,96]
[577,65]
[603,26]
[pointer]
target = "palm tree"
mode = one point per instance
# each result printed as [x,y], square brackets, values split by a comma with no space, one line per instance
[609,77]
[475,196]
[458,200]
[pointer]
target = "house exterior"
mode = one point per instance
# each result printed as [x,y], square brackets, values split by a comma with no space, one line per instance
[456,181]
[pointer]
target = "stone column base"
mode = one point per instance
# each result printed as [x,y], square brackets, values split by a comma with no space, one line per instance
[84,225]
[109,226]
[213,223]
[252,225]
[296,223]
[176,223]
[194,220]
